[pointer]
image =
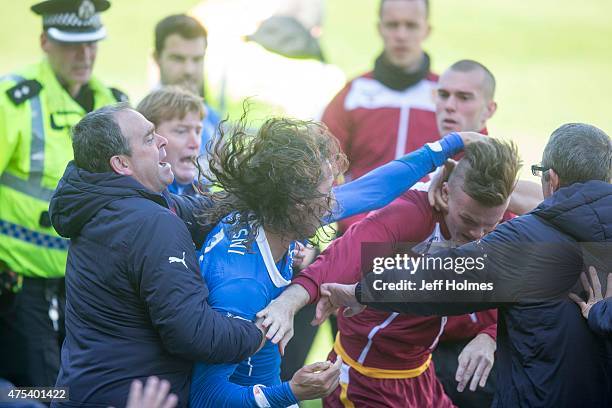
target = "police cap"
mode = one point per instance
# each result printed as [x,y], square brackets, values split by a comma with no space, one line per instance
[72,21]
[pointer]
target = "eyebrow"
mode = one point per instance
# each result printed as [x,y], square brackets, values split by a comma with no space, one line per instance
[463,93]
[150,132]
[468,218]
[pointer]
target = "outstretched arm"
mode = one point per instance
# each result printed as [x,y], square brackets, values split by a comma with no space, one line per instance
[382,185]
[341,262]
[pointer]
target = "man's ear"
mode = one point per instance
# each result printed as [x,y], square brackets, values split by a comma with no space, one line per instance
[491,109]
[445,192]
[44,42]
[429,29]
[553,180]
[121,165]
[156,57]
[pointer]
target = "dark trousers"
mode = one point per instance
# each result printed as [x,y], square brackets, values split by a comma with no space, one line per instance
[29,343]
[304,333]
[445,360]
[299,346]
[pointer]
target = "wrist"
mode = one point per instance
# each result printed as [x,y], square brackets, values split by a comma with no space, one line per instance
[295,390]
[358,292]
[484,336]
[289,392]
[296,297]
[452,144]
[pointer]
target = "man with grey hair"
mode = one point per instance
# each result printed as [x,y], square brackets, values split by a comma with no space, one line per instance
[547,356]
[38,106]
[136,303]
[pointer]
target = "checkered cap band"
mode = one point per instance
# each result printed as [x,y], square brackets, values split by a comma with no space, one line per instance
[72,20]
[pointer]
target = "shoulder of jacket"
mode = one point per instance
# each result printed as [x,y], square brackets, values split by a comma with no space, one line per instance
[151,215]
[22,90]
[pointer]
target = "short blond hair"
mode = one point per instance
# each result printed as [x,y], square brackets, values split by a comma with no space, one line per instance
[170,102]
[488,171]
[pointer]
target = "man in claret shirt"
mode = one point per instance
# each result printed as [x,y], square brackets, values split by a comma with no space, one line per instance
[464,101]
[387,356]
[388,111]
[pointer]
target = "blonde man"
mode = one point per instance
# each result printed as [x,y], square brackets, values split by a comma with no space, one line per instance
[177,115]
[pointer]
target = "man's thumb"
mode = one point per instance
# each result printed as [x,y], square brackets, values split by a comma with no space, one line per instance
[318,366]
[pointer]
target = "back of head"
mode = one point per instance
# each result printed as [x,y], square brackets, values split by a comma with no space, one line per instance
[578,153]
[170,102]
[181,24]
[488,171]
[97,137]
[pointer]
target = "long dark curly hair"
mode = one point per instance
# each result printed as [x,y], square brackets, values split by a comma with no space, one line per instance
[273,178]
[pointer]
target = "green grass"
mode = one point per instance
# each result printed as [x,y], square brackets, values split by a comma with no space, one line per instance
[552,58]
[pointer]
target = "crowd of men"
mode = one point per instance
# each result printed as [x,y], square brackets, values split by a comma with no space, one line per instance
[121,266]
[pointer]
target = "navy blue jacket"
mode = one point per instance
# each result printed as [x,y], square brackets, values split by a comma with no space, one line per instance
[546,354]
[600,318]
[135,300]
[600,321]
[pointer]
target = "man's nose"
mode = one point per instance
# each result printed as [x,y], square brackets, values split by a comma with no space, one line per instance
[450,104]
[85,51]
[161,141]
[401,32]
[190,67]
[476,233]
[195,140]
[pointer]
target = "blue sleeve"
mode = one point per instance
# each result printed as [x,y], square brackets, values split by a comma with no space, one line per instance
[600,318]
[211,387]
[382,185]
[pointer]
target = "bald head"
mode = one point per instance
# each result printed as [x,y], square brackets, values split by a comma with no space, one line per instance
[487,80]
[464,100]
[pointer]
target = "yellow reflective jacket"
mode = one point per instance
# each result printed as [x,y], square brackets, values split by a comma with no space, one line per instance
[36,115]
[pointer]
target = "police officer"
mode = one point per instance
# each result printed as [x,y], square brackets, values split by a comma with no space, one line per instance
[38,106]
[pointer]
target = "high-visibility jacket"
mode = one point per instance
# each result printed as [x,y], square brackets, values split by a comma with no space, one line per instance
[36,115]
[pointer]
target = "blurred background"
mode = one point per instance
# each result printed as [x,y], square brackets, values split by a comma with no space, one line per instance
[552,58]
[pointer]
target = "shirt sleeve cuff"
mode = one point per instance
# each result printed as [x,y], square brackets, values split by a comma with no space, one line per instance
[491,330]
[311,287]
[452,144]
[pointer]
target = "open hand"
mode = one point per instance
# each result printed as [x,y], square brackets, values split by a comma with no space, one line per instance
[594,291]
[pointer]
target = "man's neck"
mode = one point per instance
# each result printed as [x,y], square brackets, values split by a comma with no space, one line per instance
[444,226]
[72,88]
[278,244]
[411,67]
